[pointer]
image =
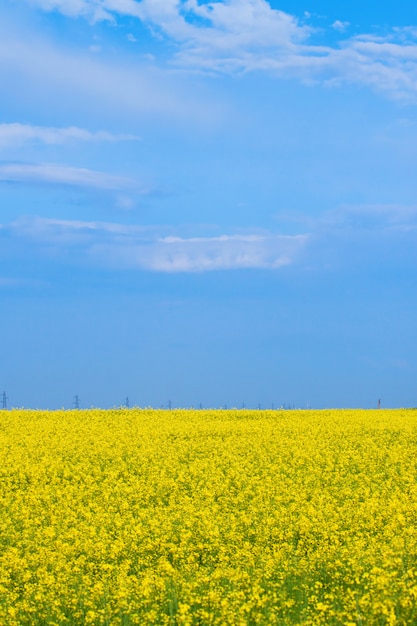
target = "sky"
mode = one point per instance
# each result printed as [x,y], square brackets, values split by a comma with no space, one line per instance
[208,203]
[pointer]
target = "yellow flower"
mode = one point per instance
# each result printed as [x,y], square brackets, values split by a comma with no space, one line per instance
[212,517]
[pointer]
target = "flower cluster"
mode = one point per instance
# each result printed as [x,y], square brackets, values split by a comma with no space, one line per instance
[185,517]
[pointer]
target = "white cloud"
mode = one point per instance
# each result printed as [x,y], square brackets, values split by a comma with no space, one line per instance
[135,247]
[18,134]
[215,34]
[249,35]
[386,64]
[340,26]
[63,175]
[200,254]
[91,9]
[219,36]
[217,24]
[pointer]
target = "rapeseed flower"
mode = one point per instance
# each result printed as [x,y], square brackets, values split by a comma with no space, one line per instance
[208,517]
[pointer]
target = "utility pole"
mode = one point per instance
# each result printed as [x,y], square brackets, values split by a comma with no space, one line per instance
[76,402]
[379,403]
[127,405]
[4,400]
[169,404]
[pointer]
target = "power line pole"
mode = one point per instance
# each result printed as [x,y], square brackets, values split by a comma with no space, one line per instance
[169,405]
[76,402]
[127,405]
[4,400]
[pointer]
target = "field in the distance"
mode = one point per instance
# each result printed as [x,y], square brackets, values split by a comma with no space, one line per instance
[208,517]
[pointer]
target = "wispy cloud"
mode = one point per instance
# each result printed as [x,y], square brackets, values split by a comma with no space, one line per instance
[18,134]
[9,282]
[225,34]
[363,236]
[386,63]
[54,74]
[63,175]
[200,254]
[219,35]
[350,220]
[376,217]
[135,247]
[91,9]
[358,235]
[249,35]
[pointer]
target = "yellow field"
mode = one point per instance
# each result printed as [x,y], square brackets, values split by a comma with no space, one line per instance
[208,517]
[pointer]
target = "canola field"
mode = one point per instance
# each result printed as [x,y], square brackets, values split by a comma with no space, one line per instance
[185,517]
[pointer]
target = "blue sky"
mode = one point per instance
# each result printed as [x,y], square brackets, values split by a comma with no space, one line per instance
[208,202]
